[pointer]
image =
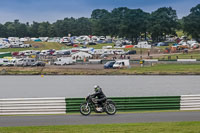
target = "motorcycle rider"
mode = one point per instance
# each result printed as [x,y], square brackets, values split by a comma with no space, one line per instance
[99,94]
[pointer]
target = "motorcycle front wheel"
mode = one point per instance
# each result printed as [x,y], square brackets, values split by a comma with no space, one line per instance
[85,109]
[110,108]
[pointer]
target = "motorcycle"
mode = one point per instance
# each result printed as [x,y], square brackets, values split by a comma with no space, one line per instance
[91,103]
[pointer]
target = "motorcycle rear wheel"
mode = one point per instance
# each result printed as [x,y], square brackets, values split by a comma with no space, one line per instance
[84,109]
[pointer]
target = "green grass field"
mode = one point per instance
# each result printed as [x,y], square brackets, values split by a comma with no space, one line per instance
[156,69]
[37,46]
[195,55]
[165,69]
[163,127]
[59,46]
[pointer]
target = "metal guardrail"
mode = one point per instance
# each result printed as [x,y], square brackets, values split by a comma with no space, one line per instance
[190,102]
[186,60]
[133,103]
[17,106]
[62,105]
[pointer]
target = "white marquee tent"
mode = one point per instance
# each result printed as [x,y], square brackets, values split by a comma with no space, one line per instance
[81,55]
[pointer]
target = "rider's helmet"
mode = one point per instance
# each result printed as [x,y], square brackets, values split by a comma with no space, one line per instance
[96,88]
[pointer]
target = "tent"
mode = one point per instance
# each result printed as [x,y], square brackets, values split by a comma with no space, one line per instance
[162,44]
[5,54]
[81,55]
[37,40]
[143,44]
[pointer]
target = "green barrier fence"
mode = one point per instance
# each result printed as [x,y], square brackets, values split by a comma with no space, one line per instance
[5,54]
[133,103]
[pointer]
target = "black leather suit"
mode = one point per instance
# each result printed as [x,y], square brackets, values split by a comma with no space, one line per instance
[100,96]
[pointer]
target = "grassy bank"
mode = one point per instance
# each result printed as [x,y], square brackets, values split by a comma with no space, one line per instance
[162,69]
[164,127]
[157,69]
[37,46]
[181,56]
[59,46]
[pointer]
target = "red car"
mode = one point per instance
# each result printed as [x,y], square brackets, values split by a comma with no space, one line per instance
[15,53]
[75,45]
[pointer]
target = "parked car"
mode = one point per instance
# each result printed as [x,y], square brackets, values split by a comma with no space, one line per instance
[19,62]
[62,52]
[143,44]
[154,44]
[131,52]
[121,64]
[11,62]
[104,55]
[109,64]
[92,43]
[75,45]
[47,52]
[15,53]
[30,52]
[28,61]
[102,38]
[162,44]
[38,63]
[4,62]
[65,40]
[27,45]
[44,52]
[64,61]
[75,51]
[7,62]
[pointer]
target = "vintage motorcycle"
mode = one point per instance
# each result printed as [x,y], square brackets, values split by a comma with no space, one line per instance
[91,104]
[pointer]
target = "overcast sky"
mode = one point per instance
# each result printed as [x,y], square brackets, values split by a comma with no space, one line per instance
[52,10]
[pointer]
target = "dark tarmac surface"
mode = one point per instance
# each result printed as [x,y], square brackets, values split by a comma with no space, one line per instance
[45,120]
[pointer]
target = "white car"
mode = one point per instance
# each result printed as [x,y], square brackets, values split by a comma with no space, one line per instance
[4,62]
[121,64]
[64,61]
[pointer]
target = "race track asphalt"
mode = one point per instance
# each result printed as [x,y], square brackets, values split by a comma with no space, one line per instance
[44,120]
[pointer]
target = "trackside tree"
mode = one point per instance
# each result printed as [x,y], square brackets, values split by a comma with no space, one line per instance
[133,24]
[163,21]
[191,23]
[101,25]
[121,22]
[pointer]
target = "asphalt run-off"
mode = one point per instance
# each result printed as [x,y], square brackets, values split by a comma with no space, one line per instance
[77,119]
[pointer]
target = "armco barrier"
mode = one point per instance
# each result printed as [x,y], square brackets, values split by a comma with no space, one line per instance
[133,103]
[151,60]
[32,106]
[190,102]
[61,105]
[186,60]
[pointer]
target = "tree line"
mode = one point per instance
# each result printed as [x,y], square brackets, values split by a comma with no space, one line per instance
[133,24]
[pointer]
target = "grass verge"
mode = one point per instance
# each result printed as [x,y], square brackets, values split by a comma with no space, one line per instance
[118,112]
[163,127]
[165,69]
[156,69]
[194,55]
